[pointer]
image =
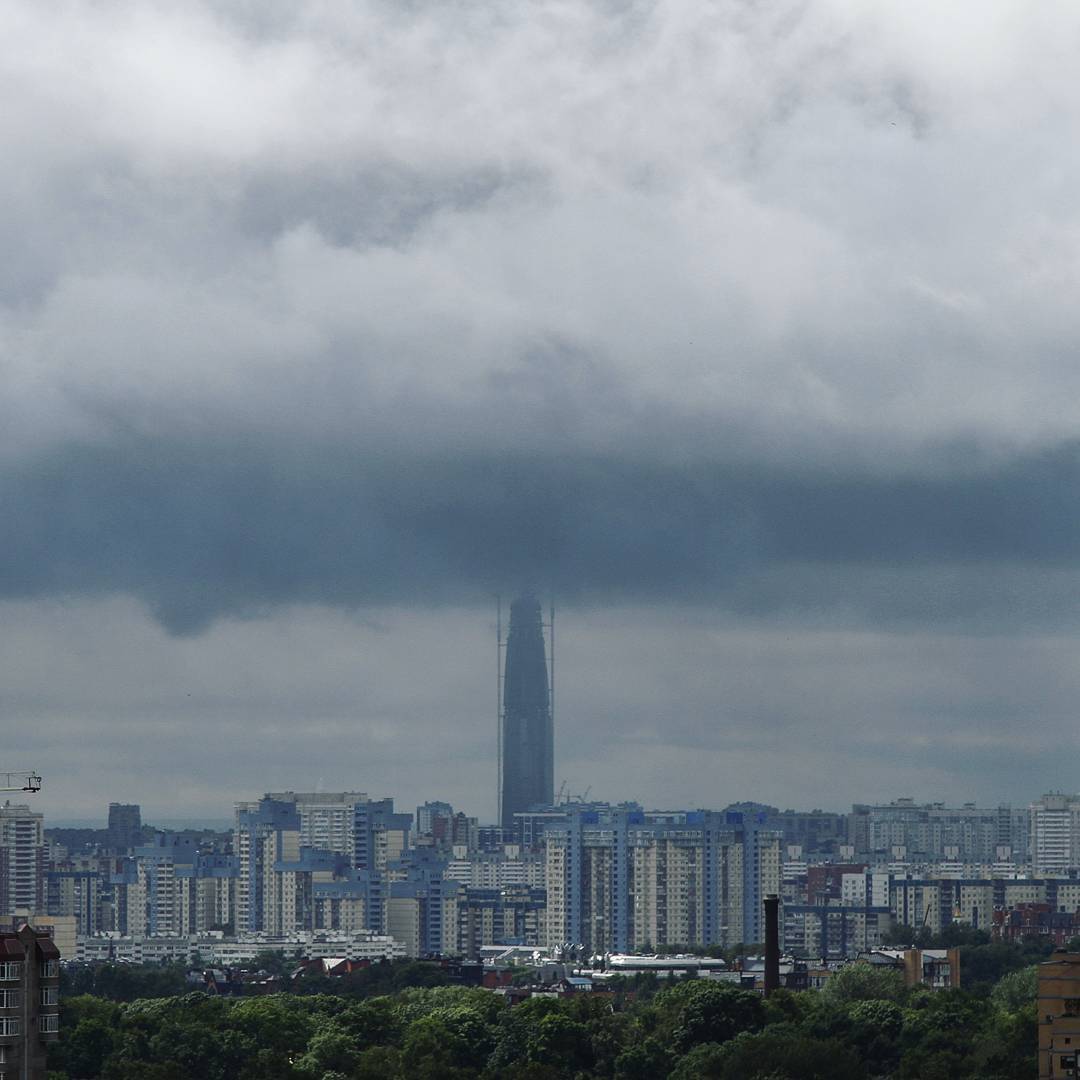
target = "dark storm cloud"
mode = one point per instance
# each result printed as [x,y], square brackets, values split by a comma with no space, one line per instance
[228,526]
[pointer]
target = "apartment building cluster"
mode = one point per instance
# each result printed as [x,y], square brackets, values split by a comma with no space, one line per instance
[352,873]
[928,866]
[622,879]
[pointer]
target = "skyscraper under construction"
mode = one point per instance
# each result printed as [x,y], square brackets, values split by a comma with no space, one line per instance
[527,733]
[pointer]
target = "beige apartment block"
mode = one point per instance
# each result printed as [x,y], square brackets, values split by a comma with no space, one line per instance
[1059,1016]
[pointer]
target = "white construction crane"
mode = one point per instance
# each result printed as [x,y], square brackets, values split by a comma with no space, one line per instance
[20,781]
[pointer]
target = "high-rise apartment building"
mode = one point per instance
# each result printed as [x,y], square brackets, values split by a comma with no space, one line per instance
[380,835]
[496,869]
[75,887]
[586,878]
[22,859]
[619,878]
[206,892]
[433,819]
[508,916]
[327,819]
[286,842]
[1055,834]
[125,827]
[169,888]
[267,833]
[760,867]
[368,832]
[910,831]
[667,868]
[155,879]
[527,766]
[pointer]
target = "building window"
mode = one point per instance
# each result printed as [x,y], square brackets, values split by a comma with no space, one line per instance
[9,1025]
[50,969]
[50,1023]
[10,971]
[9,999]
[50,995]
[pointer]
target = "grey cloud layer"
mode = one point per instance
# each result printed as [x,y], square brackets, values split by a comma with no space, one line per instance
[799,218]
[219,527]
[372,302]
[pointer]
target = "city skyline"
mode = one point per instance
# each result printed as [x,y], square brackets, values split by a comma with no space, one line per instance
[1066,798]
[440,882]
[343,344]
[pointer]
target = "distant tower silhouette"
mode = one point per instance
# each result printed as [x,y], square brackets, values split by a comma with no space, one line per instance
[527,745]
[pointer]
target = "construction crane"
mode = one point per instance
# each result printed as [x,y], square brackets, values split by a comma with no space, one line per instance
[20,781]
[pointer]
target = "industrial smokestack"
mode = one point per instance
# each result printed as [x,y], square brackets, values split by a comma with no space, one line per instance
[772,943]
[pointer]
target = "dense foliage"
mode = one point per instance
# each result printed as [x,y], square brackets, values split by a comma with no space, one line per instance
[124,982]
[865,1024]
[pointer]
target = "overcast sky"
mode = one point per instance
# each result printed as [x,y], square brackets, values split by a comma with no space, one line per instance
[749,331]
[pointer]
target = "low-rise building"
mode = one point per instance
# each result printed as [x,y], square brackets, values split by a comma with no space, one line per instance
[1026,921]
[938,969]
[220,951]
[507,916]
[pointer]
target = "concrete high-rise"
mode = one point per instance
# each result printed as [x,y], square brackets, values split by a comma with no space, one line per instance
[1055,834]
[527,768]
[22,858]
[125,827]
[620,878]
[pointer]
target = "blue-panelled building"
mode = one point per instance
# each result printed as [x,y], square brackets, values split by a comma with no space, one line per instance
[265,834]
[620,878]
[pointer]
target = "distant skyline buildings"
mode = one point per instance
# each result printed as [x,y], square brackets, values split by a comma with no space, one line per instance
[601,876]
[527,733]
[125,825]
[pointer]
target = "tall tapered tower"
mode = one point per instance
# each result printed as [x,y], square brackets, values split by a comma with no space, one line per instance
[527,750]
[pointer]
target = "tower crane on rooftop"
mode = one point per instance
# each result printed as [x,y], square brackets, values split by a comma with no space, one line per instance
[20,780]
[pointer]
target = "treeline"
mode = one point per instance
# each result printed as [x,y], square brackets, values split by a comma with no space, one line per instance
[865,1024]
[983,962]
[131,982]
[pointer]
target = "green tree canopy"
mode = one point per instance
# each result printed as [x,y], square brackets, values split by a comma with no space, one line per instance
[864,982]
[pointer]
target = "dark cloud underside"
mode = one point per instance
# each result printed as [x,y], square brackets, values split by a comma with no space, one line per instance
[237,526]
